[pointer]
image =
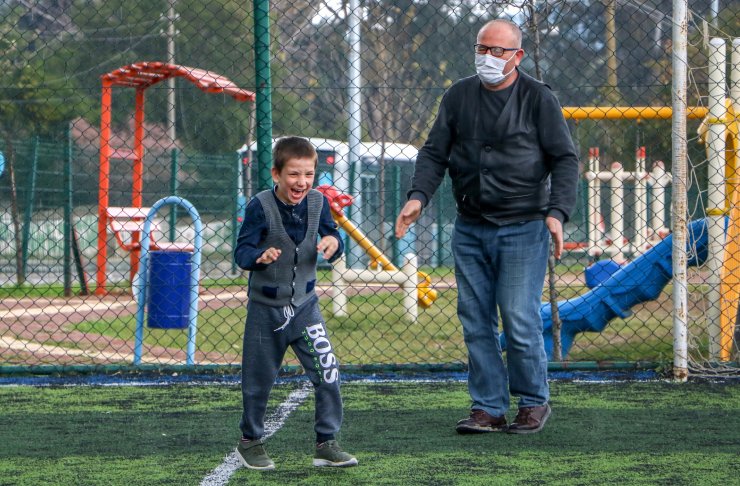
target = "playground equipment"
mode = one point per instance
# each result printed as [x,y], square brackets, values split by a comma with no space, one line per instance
[171,299]
[647,232]
[126,222]
[417,285]
[641,280]
[719,129]
[597,244]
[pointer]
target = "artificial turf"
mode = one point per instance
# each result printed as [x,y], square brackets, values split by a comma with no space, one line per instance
[641,433]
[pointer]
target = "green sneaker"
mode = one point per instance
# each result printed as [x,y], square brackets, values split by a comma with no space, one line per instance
[329,454]
[252,455]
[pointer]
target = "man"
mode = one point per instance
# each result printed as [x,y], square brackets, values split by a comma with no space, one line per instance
[502,137]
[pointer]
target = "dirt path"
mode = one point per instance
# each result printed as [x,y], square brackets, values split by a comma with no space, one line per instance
[41,331]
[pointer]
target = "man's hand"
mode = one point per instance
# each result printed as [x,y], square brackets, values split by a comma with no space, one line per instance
[556,232]
[269,256]
[327,246]
[410,213]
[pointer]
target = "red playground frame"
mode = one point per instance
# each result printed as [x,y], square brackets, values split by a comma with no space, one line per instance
[140,76]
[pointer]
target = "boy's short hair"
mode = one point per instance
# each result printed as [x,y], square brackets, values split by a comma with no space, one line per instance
[287,148]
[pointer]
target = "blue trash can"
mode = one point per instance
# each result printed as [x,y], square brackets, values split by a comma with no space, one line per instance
[168,299]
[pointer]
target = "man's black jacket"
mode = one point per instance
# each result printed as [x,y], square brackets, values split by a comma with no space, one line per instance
[526,168]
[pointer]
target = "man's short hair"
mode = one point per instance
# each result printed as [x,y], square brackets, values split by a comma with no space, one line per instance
[287,148]
[515,29]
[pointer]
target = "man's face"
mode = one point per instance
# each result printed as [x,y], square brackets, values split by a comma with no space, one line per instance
[500,35]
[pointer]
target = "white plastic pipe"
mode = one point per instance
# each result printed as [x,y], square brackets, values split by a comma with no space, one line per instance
[716,188]
[616,198]
[407,278]
[594,202]
[641,224]
[658,181]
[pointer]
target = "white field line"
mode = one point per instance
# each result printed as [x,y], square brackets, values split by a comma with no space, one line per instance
[73,307]
[221,475]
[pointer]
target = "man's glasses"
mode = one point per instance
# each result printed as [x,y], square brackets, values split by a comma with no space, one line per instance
[494,50]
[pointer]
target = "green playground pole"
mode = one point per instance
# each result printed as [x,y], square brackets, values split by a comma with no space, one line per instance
[26,235]
[236,210]
[263,91]
[67,191]
[174,168]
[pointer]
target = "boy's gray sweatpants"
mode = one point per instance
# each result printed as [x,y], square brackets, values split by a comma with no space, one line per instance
[268,333]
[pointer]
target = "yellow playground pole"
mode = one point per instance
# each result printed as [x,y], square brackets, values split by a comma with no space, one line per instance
[426,295]
[730,271]
[629,112]
[730,286]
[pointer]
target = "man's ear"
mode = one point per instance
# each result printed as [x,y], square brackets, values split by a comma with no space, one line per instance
[519,56]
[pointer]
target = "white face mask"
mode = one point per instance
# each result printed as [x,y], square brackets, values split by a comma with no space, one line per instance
[491,69]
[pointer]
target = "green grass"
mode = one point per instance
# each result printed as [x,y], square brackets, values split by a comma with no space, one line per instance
[27,290]
[629,433]
[374,332]
[377,332]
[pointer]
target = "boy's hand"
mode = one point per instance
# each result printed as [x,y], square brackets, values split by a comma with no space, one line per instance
[327,246]
[269,256]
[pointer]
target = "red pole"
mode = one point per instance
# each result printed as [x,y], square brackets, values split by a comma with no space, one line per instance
[103,186]
[138,175]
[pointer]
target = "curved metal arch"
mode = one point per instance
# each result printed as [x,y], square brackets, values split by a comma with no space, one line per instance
[141,75]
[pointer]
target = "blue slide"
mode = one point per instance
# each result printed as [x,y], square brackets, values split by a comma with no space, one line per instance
[641,280]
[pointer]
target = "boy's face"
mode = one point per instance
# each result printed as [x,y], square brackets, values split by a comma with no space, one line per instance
[295,180]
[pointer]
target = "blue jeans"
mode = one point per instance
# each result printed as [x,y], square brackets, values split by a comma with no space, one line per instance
[501,270]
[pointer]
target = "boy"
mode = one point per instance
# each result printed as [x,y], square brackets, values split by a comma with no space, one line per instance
[277,244]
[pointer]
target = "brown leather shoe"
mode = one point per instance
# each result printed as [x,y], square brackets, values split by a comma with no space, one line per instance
[530,420]
[479,422]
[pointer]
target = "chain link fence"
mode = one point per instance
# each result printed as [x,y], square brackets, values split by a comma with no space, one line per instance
[71,236]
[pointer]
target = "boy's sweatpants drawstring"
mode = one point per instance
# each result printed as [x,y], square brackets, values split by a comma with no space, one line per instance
[288,313]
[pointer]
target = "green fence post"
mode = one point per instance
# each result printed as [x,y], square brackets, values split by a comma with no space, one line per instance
[29,206]
[237,210]
[263,85]
[174,169]
[67,191]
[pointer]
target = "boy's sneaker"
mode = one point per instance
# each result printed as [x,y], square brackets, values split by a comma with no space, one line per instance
[329,454]
[252,455]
